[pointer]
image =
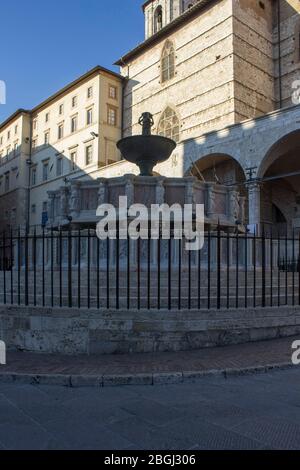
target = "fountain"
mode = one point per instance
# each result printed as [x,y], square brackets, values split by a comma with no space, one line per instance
[223,205]
[146,150]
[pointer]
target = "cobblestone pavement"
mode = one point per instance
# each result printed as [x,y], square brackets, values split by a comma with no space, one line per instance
[242,356]
[257,412]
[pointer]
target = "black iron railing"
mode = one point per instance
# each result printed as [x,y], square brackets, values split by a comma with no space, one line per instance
[76,269]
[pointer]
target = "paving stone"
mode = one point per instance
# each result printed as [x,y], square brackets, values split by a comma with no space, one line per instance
[213,414]
[170,378]
[220,413]
[79,433]
[213,437]
[137,379]
[18,436]
[148,437]
[152,412]
[86,381]
[278,433]
[54,379]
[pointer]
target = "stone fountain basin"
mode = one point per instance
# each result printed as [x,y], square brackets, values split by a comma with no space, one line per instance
[151,148]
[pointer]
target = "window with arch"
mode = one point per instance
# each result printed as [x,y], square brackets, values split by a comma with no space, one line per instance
[158,19]
[167,62]
[169,125]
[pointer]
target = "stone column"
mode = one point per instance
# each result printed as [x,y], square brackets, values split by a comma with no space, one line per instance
[210,200]
[75,199]
[64,202]
[189,191]
[102,191]
[254,197]
[234,206]
[243,210]
[160,191]
[129,189]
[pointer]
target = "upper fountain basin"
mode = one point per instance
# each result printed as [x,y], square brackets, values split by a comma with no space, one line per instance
[146,151]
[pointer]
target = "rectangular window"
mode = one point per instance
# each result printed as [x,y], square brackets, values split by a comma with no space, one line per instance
[60,132]
[59,166]
[34,145]
[16,146]
[45,171]
[89,155]
[112,116]
[73,158]
[33,176]
[8,151]
[8,135]
[33,209]
[16,129]
[7,182]
[89,116]
[47,138]
[112,92]
[35,124]
[1,140]
[74,101]
[73,124]
[47,116]
[90,92]
[45,206]
[61,109]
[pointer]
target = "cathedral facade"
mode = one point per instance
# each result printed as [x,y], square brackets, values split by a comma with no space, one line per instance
[221,78]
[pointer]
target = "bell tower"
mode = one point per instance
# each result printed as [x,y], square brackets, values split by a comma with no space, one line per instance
[159,13]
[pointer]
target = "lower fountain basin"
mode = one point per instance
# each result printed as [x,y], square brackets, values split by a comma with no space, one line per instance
[146,151]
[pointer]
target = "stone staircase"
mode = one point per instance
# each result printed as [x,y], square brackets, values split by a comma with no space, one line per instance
[238,290]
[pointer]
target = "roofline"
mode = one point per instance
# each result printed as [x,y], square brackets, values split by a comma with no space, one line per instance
[146,4]
[187,15]
[90,73]
[17,113]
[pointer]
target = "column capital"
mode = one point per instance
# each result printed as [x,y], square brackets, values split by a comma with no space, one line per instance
[254,185]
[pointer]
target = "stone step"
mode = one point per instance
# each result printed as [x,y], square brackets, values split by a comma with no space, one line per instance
[154,302]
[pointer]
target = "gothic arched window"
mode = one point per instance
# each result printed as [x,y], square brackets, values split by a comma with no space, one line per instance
[158,19]
[169,125]
[167,62]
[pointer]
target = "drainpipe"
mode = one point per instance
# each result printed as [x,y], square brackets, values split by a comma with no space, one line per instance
[279,52]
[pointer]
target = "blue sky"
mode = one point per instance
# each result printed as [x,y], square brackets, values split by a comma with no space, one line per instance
[45,45]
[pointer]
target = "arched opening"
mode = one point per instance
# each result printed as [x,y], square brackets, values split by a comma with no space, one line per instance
[219,168]
[223,170]
[169,125]
[158,19]
[167,63]
[280,174]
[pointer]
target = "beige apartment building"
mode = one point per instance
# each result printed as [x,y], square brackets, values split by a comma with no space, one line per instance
[70,136]
[14,169]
